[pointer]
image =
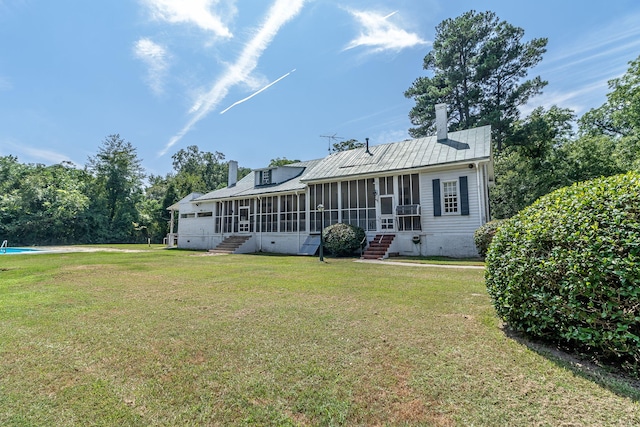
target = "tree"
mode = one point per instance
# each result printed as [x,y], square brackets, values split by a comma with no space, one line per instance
[118,188]
[532,164]
[619,117]
[349,144]
[42,204]
[478,63]
[589,157]
[281,162]
[201,171]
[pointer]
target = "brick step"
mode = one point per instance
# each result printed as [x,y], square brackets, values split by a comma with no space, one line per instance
[378,247]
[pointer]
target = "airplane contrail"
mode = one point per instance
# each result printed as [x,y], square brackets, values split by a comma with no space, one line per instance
[280,12]
[255,93]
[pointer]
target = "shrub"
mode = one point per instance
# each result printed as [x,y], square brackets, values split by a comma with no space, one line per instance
[484,235]
[342,239]
[567,269]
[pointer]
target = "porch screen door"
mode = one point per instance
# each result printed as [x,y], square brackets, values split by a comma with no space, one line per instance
[386,213]
[243,220]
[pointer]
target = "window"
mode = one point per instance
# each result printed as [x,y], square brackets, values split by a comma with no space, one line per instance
[289,213]
[265,177]
[450,197]
[188,215]
[358,203]
[269,214]
[232,216]
[205,214]
[327,195]
[386,185]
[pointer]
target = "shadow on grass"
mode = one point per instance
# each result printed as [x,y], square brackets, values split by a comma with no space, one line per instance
[609,377]
[439,260]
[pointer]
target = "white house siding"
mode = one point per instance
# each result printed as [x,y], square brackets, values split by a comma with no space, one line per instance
[196,232]
[449,235]
[282,243]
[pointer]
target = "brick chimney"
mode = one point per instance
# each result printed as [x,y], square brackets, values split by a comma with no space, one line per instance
[233,173]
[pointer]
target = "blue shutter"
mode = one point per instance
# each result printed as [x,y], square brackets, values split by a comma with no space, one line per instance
[464,196]
[437,210]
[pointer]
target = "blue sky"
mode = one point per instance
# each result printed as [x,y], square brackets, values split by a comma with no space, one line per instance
[257,80]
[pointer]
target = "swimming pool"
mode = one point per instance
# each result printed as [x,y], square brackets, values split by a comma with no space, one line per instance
[10,251]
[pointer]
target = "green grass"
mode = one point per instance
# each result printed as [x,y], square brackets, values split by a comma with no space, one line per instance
[165,337]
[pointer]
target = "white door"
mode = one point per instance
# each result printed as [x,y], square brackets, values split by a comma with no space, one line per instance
[243,219]
[387,220]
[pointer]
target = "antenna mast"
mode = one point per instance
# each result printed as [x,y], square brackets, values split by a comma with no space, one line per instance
[331,138]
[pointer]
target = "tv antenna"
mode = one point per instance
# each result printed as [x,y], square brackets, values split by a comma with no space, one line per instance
[331,138]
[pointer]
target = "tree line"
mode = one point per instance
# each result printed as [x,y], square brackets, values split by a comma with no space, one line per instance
[110,200]
[478,66]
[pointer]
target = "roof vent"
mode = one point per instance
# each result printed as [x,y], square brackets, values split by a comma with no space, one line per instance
[368,152]
[441,121]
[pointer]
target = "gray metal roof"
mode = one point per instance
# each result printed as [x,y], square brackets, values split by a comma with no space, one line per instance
[461,146]
[189,197]
[246,186]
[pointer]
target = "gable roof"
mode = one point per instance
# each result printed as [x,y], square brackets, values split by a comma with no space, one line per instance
[461,146]
[187,198]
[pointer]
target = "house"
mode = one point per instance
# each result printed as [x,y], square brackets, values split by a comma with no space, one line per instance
[426,195]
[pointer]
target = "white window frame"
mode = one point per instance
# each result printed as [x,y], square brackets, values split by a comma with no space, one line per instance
[265,177]
[447,209]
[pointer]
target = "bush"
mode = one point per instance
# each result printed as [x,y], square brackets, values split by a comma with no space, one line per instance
[342,239]
[567,269]
[484,235]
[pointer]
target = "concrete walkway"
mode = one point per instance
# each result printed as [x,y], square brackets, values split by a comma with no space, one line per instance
[418,264]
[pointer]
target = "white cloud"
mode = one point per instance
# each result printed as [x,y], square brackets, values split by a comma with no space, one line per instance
[578,70]
[380,34]
[240,71]
[155,56]
[579,100]
[36,154]
[195,12]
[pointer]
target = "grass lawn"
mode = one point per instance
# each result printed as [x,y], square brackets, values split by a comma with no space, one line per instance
[164,337]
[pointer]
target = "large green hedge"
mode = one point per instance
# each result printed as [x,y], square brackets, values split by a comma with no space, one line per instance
[567,269]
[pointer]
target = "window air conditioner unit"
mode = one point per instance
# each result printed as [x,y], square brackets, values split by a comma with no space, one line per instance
[406,210]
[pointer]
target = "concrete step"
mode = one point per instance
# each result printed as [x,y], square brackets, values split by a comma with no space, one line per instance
[230,245]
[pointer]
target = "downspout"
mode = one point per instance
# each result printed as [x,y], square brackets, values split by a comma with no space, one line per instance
[481,200]
[297,193]
[259,222]
[485,190]
[170,240]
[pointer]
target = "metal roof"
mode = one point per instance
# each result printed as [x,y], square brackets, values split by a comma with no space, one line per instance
[461,146]
[467,145]
[189,197]
[246,186]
